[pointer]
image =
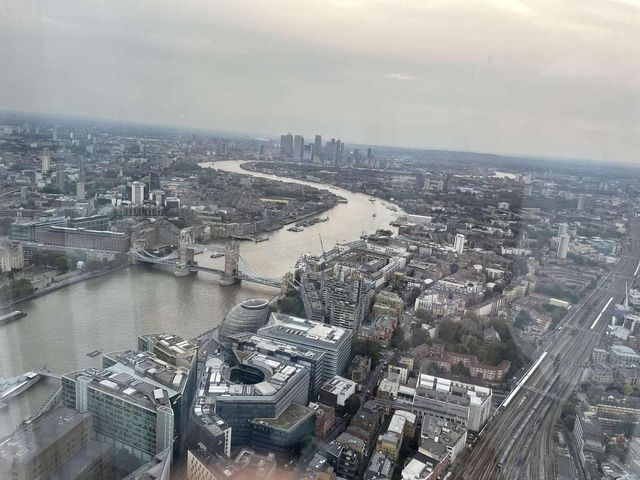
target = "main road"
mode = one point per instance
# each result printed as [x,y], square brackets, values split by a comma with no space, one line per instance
[517,442]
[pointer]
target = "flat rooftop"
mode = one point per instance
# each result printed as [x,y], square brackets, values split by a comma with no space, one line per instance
[123,382]
[268,345]
[150,366]
[292,416]
[316,331]
[37,436]
[276,375]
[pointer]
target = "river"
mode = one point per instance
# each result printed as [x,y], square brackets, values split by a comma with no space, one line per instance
[108,313]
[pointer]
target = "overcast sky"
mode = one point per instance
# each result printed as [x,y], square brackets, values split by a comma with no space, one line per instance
[548,77]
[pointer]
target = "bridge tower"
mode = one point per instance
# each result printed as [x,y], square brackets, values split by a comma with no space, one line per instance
[231,256]
[185,252]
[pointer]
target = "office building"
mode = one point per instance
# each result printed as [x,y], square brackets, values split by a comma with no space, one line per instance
[86,239]
[456,402]
[35,230]
[623,356]
[563,246]
[158,468]
[330,152]
[337,391]
[581,202]
[334,342]
[247,464]
[317,147]
[11,258]
[137,193]
[179,381]
[286,145]
[60,177]
[57,444]
[131,412]
[458,243]
[46,160]
[562,229]
[170,348]
[154,182]
[80,191]
[246,316]
[284,434]
[250,387]
[298,147]
[312,360]
[307,155]
[94,222]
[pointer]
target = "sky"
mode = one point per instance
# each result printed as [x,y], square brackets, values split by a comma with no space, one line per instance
[544,77]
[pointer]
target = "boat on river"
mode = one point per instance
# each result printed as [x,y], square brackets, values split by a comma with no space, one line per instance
[10,317]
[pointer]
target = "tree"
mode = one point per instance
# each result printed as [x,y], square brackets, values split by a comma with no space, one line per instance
[398,341]
[367,348]
[62,264]
[420,337]
[425,315]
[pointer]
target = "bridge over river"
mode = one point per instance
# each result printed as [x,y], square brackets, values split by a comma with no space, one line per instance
[183,263]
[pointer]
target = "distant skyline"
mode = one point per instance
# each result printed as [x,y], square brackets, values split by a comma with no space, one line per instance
[548,78]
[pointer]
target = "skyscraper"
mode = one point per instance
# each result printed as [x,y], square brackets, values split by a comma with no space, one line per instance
[458,244]
[563,246]
[154,182]
[286,145]
[562,229]
[298,147]
[137,193]
[581,202]
[330,152]
[307,155]
[46,160]
[60,177]
[317,147]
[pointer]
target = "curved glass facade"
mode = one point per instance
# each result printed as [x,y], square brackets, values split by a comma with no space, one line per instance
[247,316]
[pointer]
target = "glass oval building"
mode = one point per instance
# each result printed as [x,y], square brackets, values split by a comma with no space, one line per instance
[246,316]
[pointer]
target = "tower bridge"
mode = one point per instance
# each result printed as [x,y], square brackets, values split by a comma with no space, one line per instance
[183,263]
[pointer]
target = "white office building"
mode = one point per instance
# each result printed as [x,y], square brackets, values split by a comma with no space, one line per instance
[563,246]
[458,244]
[137,193]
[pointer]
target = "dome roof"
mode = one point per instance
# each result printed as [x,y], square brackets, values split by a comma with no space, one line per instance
[246,316]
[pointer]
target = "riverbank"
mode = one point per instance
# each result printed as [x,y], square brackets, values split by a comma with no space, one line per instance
[246,164]
[65,283]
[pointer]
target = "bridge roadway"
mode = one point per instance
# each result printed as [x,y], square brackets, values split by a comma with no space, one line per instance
[244,271]
[517,442]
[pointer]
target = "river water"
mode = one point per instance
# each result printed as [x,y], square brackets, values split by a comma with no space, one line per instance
[108,313]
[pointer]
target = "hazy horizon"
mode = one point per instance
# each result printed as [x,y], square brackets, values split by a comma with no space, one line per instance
[502,77]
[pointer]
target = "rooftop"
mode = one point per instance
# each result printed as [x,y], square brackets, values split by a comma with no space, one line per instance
[338,385]
[292,416]
[624,350]
[268,345]
[149,366]
[124,382]
[39,435]
[274,373]
[319,332]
